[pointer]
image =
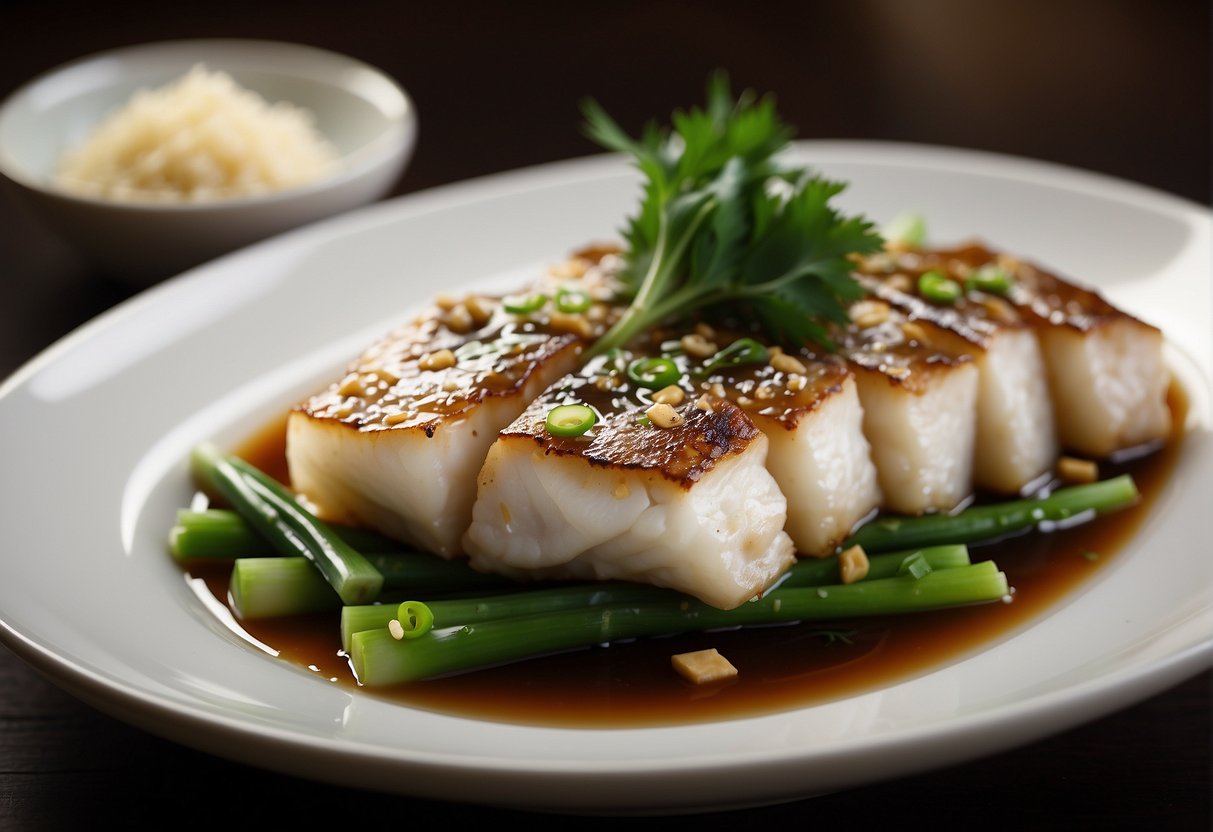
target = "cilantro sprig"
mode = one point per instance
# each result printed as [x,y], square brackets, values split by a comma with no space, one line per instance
[725,224]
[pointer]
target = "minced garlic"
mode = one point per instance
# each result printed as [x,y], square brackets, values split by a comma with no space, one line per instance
[853,565]
[703,666]
[664,416]
[438,360]
[1074,470]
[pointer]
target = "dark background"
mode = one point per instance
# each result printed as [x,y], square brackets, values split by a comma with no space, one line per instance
[1120,87]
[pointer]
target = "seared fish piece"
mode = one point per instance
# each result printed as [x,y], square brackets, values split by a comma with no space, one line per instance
[808,408]
[1107,375]
[1016,439]
[396,444]
[917,384]
[680,500]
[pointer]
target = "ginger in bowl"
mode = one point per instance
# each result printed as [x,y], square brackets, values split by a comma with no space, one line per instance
[154,158]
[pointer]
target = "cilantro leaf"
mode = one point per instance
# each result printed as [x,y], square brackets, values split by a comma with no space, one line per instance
[723,223]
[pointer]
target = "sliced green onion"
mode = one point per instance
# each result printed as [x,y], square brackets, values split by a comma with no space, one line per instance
[742,351]
[415,619]
[654,373]
[573,301]
[990,279]
[524,304]
[570,420]
[914,564]
[937,287]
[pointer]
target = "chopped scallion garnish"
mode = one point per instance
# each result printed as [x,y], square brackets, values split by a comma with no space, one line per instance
[937,287]
[914,564]
[569,420]
[989,279]
[654,373]
[524,304]
[573,301]
[415,619]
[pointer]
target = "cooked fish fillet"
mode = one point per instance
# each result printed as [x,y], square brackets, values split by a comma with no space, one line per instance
[396,444]
[808,407]
[690,506]
[1106,372]
[823,463]
[918,386]
[1016,439]
[1106,368]
[1109,385]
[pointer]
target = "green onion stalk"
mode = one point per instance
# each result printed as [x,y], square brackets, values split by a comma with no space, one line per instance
[273,511]
[823,571]
[222,534]
[379,659]
[985,523]
[272,587]
[449,612]
[804,573]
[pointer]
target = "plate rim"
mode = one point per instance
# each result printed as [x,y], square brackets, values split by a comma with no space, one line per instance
[142,707]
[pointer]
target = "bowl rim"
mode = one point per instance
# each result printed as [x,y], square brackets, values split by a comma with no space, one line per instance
[393,145]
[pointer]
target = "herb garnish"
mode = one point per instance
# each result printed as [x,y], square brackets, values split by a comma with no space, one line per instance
[724,222]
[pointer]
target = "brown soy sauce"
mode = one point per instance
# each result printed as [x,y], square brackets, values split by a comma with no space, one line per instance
[780,667]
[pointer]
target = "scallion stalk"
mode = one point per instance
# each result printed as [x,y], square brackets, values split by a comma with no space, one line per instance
[274,587]
[273,511]
[378,659]
[222,534]
[822,571]
[454,612]
[986,523]
[256,592]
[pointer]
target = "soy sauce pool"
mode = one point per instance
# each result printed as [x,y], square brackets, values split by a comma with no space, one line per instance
[779,668]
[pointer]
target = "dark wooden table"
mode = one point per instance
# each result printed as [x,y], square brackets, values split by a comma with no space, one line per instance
[1121,87]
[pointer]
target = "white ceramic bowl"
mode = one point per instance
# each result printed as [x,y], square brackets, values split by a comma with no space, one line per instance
[364,113]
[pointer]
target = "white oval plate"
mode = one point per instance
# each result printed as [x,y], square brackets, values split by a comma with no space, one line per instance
[95,432]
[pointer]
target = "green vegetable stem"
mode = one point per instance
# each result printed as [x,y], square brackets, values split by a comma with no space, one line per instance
[989,522]
[270,587]
[808,572]
[379,659]
[273,511]
[222,534]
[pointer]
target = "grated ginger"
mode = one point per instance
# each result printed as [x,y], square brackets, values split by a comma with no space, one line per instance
[202,137]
